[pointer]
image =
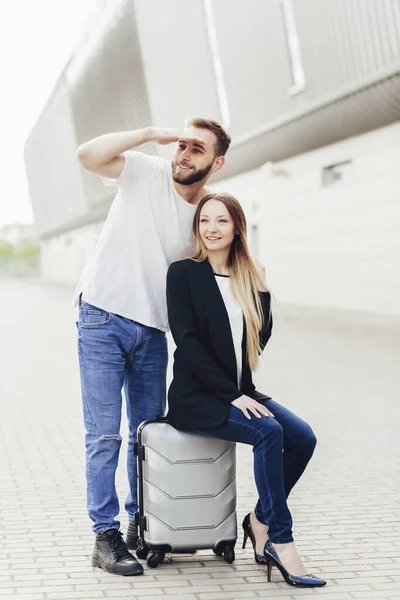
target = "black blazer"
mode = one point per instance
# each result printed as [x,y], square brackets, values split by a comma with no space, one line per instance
[205,371]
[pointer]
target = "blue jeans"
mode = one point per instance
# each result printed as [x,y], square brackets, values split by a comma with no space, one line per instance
[116,353]
[282,447]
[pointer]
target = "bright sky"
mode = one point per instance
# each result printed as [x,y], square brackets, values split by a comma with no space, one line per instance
[36,40]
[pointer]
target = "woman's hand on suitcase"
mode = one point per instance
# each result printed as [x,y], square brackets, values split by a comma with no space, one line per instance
[247,405]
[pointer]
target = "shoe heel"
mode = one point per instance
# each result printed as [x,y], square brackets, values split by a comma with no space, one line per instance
[303,581]
[246,537]
[269,571]
[95,563]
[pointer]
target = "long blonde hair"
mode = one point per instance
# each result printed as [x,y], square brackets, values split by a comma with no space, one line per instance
[244,275]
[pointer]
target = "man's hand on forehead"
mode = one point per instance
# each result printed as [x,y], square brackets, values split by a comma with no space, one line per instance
[169,136]
[192,140]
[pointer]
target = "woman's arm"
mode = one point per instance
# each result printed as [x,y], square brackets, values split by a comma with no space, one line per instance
[265,298]
[182,321]
[266,330]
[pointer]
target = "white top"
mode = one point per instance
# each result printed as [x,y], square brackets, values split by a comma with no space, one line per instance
[235,319]
[149,226]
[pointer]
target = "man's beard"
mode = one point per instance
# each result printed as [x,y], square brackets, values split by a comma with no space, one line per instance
[194,177]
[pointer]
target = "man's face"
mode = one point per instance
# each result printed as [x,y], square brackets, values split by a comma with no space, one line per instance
[193,161]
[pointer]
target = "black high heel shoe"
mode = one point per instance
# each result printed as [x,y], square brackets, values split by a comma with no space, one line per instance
[248,533]
[294,580]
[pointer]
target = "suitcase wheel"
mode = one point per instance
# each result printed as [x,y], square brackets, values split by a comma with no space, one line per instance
[155,559]
[226,550]
[229,554]
[142,550]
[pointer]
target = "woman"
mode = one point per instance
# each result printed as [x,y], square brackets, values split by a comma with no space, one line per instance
[219,314]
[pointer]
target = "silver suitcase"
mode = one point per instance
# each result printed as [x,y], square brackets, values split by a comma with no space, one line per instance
[187,493]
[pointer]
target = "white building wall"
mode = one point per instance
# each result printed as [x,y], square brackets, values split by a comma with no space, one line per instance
[330,247]
[64,256]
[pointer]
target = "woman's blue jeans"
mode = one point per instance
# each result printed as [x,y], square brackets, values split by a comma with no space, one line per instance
[116,353]
[282,447]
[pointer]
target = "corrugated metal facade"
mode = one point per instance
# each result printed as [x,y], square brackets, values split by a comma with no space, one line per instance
[346,42]
[103,92]
[153,64]
[342,43]
[54,175]
[110,94]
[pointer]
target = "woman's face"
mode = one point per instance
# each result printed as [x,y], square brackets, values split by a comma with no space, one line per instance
[216,226]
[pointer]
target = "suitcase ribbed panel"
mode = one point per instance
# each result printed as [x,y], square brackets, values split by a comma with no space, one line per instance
[191,538]
[179,480]
[180,446]
[188,488]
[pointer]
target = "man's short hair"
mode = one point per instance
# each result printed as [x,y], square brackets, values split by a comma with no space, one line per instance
[223,137]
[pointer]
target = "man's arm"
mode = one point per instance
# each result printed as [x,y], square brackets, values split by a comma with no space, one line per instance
[104,154]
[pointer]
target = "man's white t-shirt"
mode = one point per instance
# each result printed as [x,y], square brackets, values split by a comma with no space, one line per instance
[149,226]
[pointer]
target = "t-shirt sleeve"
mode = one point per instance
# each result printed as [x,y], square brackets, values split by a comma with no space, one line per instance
[139,168]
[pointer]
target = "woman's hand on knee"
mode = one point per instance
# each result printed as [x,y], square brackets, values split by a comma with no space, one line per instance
[247,405]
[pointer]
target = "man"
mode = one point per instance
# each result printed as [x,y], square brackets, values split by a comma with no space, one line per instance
[122,305]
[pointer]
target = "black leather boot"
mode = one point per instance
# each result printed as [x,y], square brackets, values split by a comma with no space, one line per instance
[111,554]
[132,536]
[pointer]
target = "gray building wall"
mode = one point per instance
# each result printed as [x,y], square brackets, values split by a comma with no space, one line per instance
[178,60]
[150,62]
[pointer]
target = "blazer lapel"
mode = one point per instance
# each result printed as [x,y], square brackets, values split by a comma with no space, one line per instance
[217,316]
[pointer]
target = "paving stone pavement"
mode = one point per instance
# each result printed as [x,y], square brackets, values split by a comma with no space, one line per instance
[340,372]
